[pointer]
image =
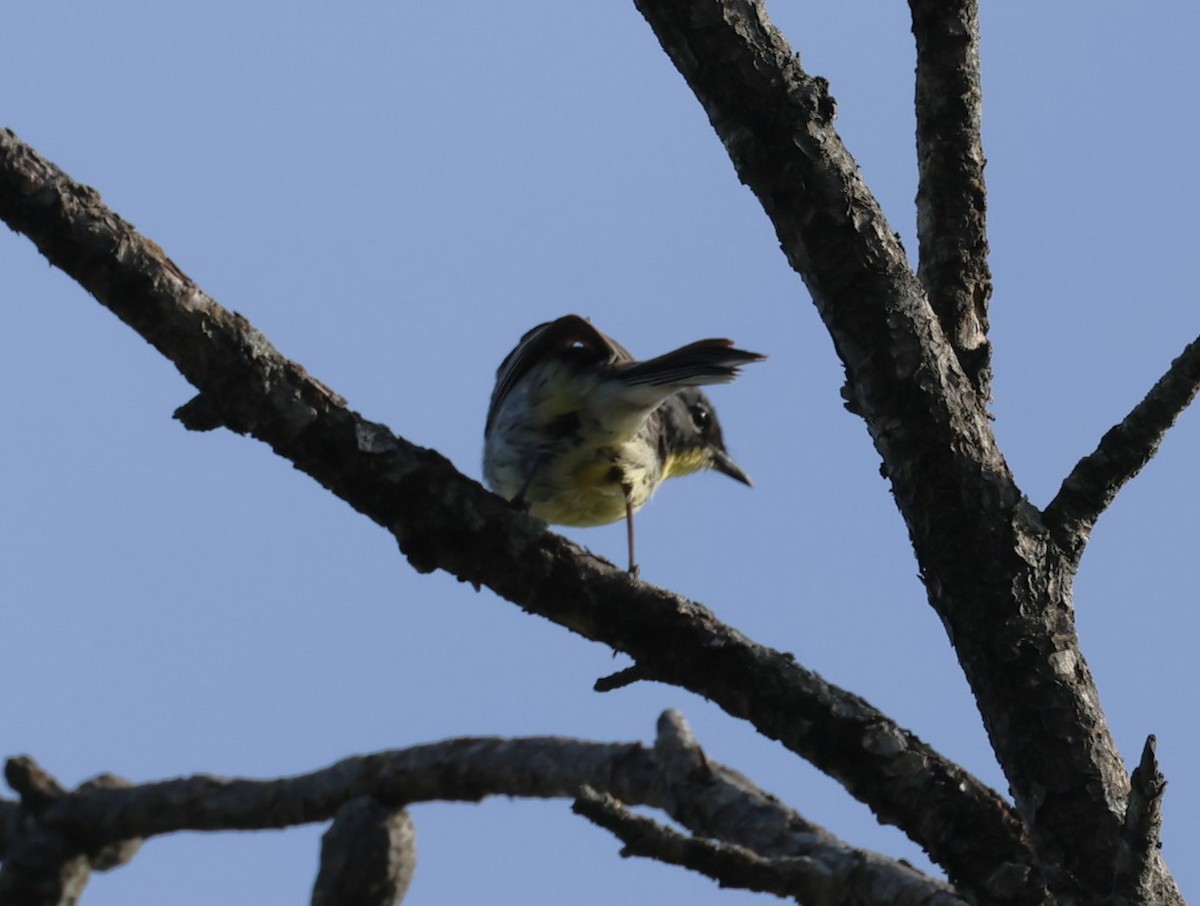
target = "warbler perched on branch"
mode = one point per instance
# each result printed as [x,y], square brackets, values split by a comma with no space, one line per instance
[582,433]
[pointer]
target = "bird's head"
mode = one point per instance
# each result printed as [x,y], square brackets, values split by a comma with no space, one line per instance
[691,438]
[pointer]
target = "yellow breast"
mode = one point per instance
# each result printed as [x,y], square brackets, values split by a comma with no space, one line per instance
[589,488]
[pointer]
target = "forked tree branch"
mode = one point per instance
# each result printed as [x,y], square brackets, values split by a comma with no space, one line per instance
[365,794]
[443,520]
[1000,587]
[951,195]
[1124,449]
[762,846]
[42,864]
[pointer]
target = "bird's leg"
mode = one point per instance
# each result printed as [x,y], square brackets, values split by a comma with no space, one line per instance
[519,500]
[633,567]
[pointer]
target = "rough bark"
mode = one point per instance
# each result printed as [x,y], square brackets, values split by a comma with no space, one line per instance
[368,854]
[804,879]
[44,865]
[993,573]
[1121,454]
[951,194]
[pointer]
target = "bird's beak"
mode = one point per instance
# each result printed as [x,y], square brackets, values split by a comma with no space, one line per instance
[724,463]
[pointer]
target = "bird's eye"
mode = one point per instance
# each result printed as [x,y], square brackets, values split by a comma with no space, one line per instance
[700,416]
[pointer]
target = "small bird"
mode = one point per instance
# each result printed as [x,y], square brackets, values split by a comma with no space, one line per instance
[581,433]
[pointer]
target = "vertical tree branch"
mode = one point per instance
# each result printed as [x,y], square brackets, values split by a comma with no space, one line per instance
[990,570]
[42,866]
[368,856]
[1136,876]
[951,195]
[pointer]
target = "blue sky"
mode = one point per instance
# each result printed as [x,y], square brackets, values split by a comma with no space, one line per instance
[393,194]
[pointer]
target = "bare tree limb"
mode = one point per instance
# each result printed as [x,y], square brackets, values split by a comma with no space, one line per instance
[622,678]
[37,789]
[43,866]
[464,770]
[726,863]
[825,876]
[722,804]
[10,818]
[1136,876]
[1123,451]
[367,856]
[444,520]
[115,852]
[951,194]
[365,795]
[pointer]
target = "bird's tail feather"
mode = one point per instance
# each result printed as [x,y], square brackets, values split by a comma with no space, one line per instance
[694,365]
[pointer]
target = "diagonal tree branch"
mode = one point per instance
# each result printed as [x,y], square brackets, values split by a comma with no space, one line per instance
[829,876]
[1123,451]
[951,195]
[443,520]
[726,863]
[766,845]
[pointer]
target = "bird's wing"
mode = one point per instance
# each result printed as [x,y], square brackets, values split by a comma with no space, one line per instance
[546,340]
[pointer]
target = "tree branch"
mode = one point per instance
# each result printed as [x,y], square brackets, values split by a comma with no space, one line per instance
[367,856]
[728,864]
[1138,860]
[719,803]
[457,770]
[951,195]
[443,520]
[825,876]
[1123,451]
[990,571]
[365,795]
[43,866]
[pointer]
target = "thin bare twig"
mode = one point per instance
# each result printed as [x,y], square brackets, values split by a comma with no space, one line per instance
[726,863]
[824,874]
